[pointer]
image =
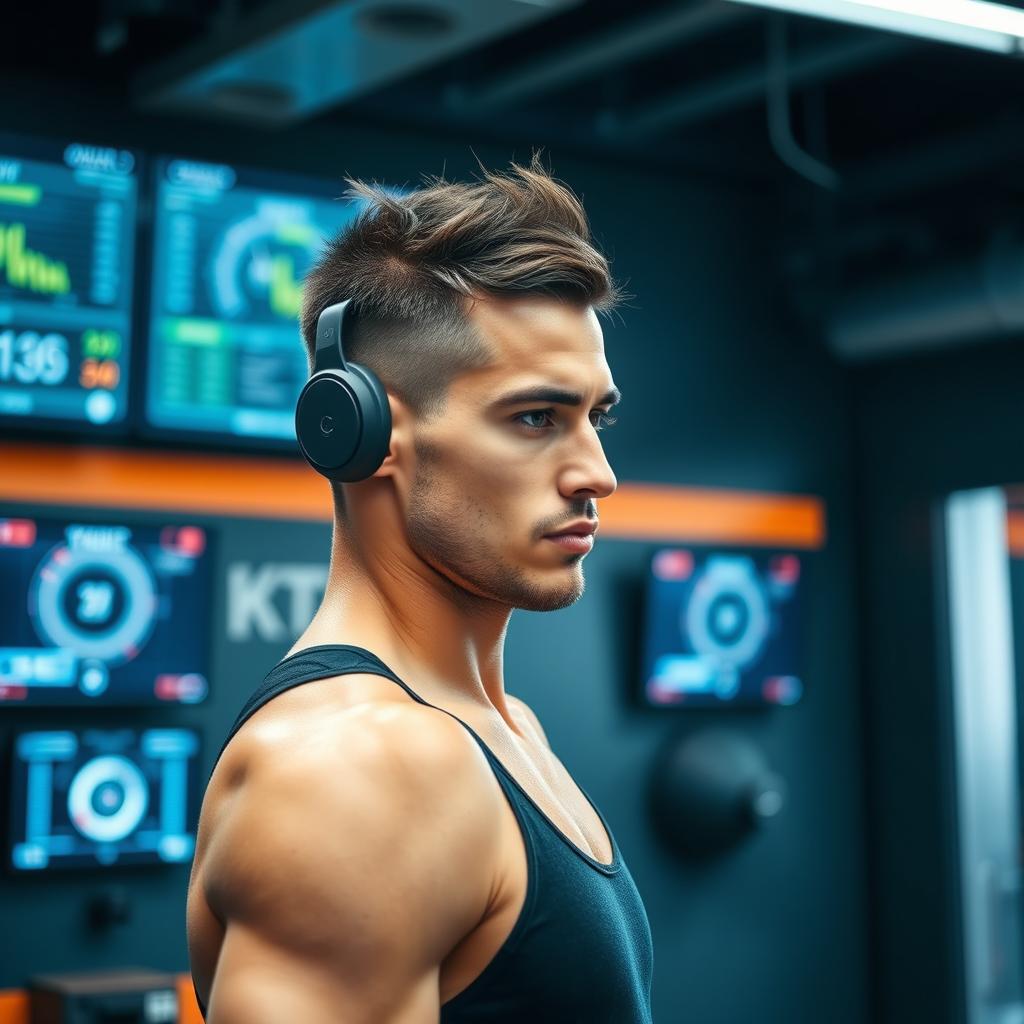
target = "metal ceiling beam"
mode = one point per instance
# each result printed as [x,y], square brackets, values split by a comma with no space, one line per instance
[597,54]
[701,102]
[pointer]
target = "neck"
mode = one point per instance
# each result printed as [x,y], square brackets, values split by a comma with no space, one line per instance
[448,642]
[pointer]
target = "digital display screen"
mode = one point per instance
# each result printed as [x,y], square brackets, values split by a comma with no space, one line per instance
[67,233]
[103,613]
[91,798]
[721,629]
[231,249]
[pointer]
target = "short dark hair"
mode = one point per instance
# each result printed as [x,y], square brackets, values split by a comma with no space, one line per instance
[409,261]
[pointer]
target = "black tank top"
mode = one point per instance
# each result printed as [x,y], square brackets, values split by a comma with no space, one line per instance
[581,948]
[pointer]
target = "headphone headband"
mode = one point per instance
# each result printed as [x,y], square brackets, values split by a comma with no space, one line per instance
[330,353]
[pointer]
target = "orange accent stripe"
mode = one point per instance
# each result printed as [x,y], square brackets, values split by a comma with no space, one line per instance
[171,481]
[697,514]
[279,489]
[1015,532]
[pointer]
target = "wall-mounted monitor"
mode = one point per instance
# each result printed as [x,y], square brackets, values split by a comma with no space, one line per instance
[103,612]
[721,629]
[67,234]
[95,798]
[231,249]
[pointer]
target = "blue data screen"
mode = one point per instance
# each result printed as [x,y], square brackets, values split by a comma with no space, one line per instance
[103,613]
[67,232]
[231,249]
[94,798]
[722,628]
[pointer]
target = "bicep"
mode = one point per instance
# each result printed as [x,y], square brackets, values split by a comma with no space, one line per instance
[261,982]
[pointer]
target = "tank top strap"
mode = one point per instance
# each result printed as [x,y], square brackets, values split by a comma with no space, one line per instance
[324,661]
[321,662]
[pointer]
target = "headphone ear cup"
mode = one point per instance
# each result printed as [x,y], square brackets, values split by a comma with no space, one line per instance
[375,440]
[343,423]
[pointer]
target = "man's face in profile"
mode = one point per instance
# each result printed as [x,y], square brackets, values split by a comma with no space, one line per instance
[499,468]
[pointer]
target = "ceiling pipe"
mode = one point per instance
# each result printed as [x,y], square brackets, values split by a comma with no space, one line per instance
[694,104]
[933,163]
[596,55]
[981,298]
[780,126]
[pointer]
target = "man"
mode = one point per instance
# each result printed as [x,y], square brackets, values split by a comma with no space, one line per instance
[390,839]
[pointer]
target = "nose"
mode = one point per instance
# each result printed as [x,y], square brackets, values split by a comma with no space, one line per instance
[586,472]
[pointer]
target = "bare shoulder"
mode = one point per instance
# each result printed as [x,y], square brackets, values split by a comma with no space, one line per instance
[323,848]
[527,713]
[372,769]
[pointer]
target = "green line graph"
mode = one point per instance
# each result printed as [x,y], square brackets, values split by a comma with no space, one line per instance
[23,268]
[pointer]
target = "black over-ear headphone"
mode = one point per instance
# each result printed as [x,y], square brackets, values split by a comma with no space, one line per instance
[342,419]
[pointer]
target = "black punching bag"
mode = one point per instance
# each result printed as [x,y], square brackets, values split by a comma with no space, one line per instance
[709,790]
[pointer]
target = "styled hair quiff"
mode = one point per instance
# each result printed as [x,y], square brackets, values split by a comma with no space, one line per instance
[409,262]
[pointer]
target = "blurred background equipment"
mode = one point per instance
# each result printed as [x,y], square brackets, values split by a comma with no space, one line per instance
[130,995]
[709,790]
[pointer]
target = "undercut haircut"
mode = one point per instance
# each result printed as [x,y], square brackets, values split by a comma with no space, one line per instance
[409,262]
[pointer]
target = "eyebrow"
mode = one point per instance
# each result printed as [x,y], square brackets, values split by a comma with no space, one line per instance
[558,396]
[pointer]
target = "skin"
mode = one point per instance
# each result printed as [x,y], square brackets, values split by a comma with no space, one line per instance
[302,905]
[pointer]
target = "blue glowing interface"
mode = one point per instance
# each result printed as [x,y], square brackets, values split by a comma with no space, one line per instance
[103,613]
[103,798]
[231,249]
[67,231]
[721,629]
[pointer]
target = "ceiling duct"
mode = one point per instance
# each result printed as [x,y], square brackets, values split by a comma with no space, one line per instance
[597,55]
[979,299]
[292,60]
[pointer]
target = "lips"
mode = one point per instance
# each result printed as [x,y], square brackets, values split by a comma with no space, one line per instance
[575,543]
[576,530]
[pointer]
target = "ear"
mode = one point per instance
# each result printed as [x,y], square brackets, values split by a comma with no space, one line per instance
[397,461]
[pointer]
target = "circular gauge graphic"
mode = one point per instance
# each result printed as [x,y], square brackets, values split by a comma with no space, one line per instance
[100,607]
[727,616]
[107,798]
[259,264]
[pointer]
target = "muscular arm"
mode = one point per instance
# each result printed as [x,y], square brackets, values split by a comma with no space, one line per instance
[346,871]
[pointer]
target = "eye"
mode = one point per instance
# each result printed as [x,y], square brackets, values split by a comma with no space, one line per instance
[600,420]
[532,412]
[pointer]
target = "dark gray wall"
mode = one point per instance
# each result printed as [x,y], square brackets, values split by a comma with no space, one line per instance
[720,391]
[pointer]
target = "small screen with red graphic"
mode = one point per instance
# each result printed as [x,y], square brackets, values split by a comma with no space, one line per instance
[103,613]
[721,629]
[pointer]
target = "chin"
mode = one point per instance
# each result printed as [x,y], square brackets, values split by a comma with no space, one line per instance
[548,597]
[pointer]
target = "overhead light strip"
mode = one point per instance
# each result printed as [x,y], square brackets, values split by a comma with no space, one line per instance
[975,23]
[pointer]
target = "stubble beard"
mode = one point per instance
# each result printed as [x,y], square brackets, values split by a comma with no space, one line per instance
[441,532]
